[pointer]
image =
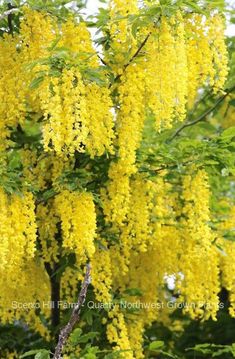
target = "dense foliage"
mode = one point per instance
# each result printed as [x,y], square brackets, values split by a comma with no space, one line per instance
[117,149]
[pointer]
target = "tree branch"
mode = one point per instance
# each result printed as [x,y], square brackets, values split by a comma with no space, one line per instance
[7,13]
[66,331]
[133,57]
[202,116]
[102,60]
[137,51]
[55,294]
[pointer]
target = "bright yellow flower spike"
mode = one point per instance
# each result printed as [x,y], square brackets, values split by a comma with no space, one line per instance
[78,217]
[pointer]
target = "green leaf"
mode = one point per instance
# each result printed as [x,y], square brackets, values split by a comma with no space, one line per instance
[202,348]
[221,351]
[40,354]
[74,337]
[44,354]
[133,292]
[193,6]
[48,194]
[30,353]
[54,43]
[156,345]
[86,337]
[14,160]
[228,134]
[36,82]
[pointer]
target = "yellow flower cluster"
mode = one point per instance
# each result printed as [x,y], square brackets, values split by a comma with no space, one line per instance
[23,290]
[130,122]
[66,129]
[116,195]
[12,88]
[219,50]
[162,83]
[47,222]
[42,169]
[167,71]
[199,261]
[135,332]
[184,54]
[227,252]
[19,270]
[99,120]
[18,230]
[227,267]
[76,38]
[78,221]
[102,275]
[37,31]
[207,54]
[117,333]
[136,234]
[78,117]
[180,56]
[122,42]
[150,231]
[76,112]
[146,238]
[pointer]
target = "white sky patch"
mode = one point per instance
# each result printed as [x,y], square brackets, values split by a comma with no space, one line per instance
[92,6]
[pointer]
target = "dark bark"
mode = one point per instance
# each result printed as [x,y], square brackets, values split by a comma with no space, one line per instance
[55,295]
[9,18]
[65,332]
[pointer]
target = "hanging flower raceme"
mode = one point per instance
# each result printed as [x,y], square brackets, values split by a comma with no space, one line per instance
[117,333]
[161,73]
[164,80]
[12,88]
[77,115]
[206,53]
[78,222]
[102,274]
[227,268]
[199,261]
[99,120]
[36,78]
[226,248]
[19,269]
[18,230]
[122,42]
[65,110]
[183,54]
[130,122]
[47,221]
[220,52]
[77,39]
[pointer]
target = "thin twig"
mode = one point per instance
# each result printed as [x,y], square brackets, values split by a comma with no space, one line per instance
[102,60]
[133,57]
[66,331]
[202,116]
[138,51]
[7,13]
